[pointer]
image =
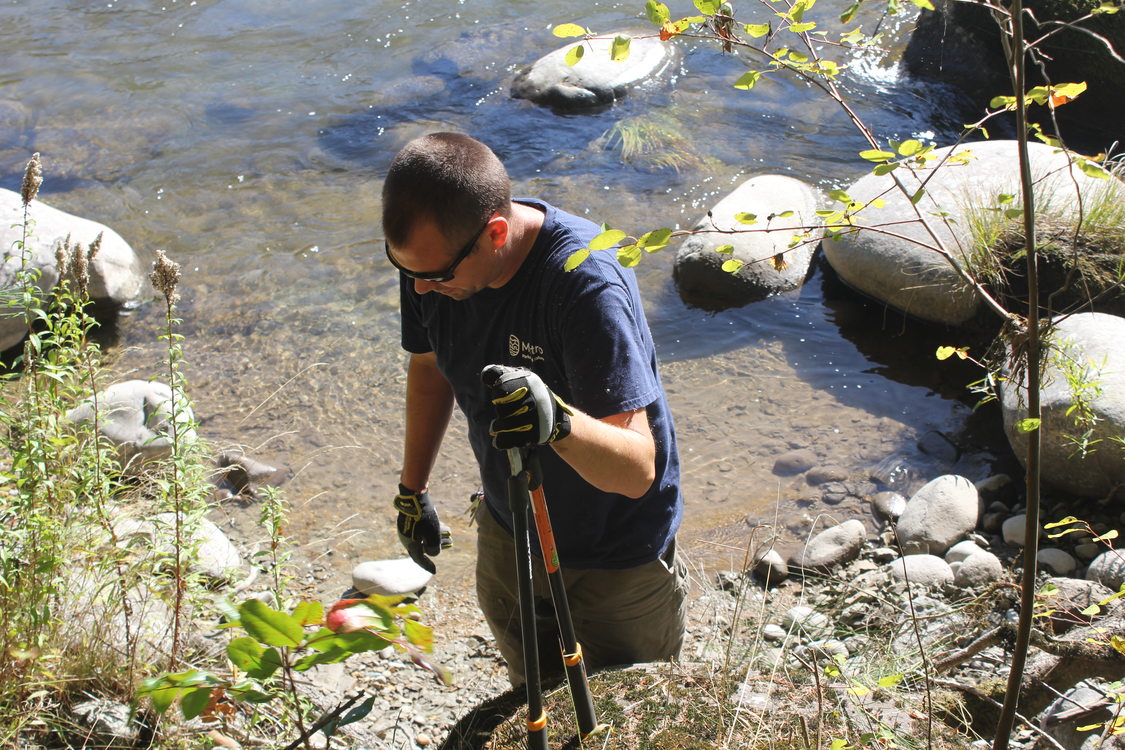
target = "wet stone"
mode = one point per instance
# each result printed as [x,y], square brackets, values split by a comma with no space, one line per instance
[794,462]
[824,474]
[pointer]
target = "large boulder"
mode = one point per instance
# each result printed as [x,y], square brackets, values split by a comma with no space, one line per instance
[1085,363]
[900,267]
[769,265]
[940,514]
[139,417]
[831,547]
[596,80]
[116,275]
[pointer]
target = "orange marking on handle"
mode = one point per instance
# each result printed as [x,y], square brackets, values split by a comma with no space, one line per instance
[573,660]
[538,725]
[543,526]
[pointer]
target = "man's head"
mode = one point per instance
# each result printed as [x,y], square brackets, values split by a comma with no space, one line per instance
[450,179]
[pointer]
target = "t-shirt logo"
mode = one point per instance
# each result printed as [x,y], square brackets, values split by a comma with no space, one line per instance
[523,349]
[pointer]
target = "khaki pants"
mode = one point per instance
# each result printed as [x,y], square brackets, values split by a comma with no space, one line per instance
[620,616]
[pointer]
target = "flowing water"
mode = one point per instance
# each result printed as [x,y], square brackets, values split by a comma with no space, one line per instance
[248,139]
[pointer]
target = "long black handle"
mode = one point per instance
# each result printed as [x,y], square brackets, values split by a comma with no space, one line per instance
[536,715]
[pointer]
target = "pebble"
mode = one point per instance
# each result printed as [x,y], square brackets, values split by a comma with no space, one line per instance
[1056,561]
[806,620]
[978,570]
[958,552]
[889,505]
[1013,530]
[774,632]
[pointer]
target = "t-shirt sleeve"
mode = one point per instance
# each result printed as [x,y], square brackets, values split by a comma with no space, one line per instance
[414,337]
[608,369]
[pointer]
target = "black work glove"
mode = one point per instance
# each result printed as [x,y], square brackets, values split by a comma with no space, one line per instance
[527,411]
[419,529]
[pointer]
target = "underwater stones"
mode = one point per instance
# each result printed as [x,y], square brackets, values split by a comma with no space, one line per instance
[940,514]
[780,205]
[595,80]
[1085,361]
[115,273]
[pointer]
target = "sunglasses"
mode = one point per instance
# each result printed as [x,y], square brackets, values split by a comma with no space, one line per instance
[445,274]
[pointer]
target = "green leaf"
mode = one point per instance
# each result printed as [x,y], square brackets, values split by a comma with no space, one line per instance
[421,635]
[245,653]
[756,30]
[840,196]
[629,256]
[607,239]
[269,663]
[1005,198]
[858,690]
[619,51]
[309,613]
[1002,102]
[874,154]
[732,265]
[945,352]
[576,258]
[1028,425]
[1065,522]
[163,698]
[918,194]
[1092,169]
[725,249]
[654,240]
[909,147]
[1013,213]
[269,626]
[566,30]
[837,745]
[574,54]
[1092,610]
[747,80]
[657,12]
[1111,534]
[849,13]
[889,681]
[708,7]
[746,218]
[923,4]
[194,701]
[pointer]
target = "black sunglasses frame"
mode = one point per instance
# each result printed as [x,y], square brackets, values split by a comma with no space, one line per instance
[447,274]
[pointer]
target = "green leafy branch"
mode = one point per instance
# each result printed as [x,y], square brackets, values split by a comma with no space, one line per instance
[279,645]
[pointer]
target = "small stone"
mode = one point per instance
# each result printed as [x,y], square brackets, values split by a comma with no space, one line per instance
[889,505]
[772,632]
[794,462]
[884,554]
[1013,530]
[1108,569]
[825,474]
[958,552]
[422,740]
[926,570]
[770,567]
[1088,550]
[1056,561]
[994,522]
[978,570]
[939,514]
[805,619]
[390,577]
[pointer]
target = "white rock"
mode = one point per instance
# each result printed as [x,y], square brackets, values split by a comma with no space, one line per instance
[215,556]
[905,274]
[1014,529]
[137,417]
[595,80]
[772,632]
[978,570]
[389,577]
[834,546]
[925,570]
[1056,561]
[1086,347]
[805,619]
[958,552]
[115,274]
[1108,569]
[698,270]
[941,513]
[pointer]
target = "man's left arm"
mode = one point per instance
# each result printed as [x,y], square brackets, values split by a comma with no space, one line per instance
[615,454]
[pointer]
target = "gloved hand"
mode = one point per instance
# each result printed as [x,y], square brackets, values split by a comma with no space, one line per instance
[527,411]
[419,529]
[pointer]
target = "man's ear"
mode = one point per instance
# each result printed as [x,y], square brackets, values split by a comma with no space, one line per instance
[497,231]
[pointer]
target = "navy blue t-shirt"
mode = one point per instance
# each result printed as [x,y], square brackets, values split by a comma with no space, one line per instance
[584,333]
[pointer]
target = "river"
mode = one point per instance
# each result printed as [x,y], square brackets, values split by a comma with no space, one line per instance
[248,138]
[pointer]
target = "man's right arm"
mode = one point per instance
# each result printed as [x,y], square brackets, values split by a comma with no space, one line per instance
[429,406]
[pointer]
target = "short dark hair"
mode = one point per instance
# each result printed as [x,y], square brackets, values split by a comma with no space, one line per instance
[448,178]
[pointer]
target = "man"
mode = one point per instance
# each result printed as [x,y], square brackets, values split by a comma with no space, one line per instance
[483,283]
